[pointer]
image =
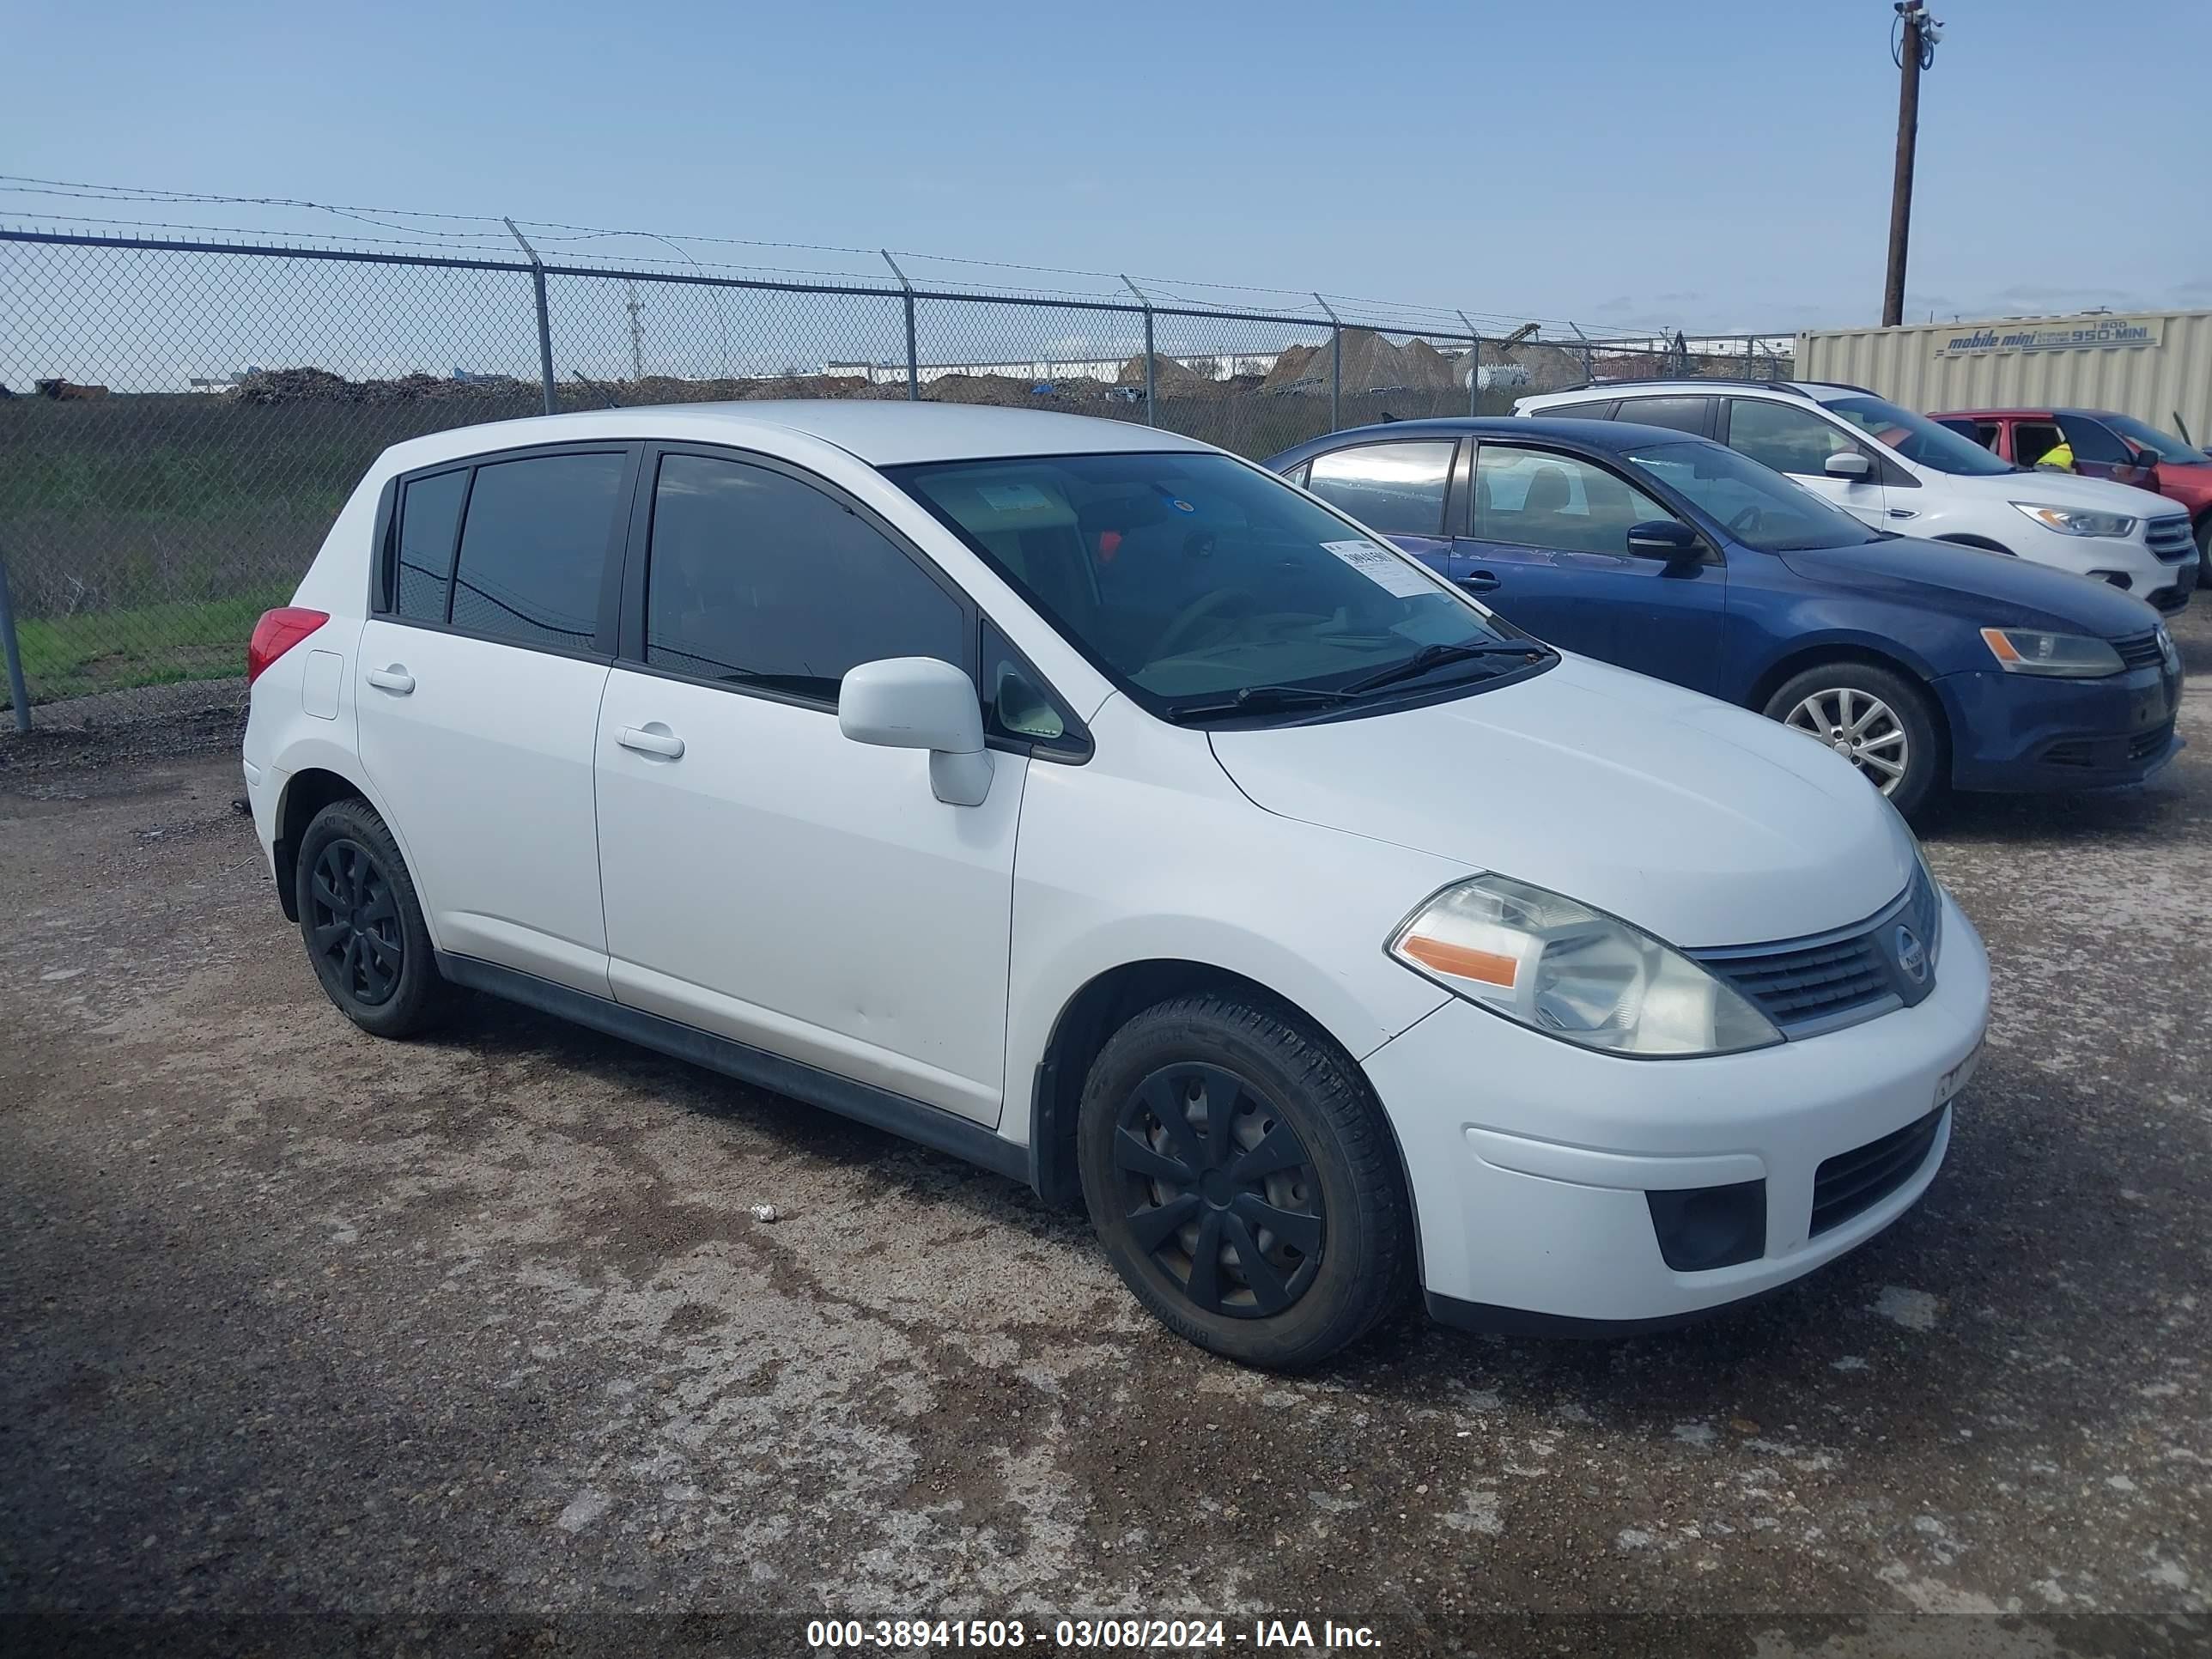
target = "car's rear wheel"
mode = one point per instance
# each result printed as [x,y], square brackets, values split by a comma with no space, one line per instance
[1876,720]
[362,924]
[1246,1187]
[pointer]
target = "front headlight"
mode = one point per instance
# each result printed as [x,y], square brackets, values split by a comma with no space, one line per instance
[1574,973]
[2066,656]
[2076,520]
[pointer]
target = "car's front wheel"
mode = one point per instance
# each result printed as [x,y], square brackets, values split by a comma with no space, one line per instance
[362,924]
[1239,1171]
[1877,720]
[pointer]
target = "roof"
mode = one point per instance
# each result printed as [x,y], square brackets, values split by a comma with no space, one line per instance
[1608,437]
[882,432]
[2024,412]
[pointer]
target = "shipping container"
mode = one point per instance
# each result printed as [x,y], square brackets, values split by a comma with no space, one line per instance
[2155,366]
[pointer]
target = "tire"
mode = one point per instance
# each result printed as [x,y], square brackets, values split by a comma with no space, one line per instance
[363,924]
[1326,1161]
[1827,701]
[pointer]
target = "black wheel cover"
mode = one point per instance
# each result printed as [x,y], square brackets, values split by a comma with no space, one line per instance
[353,924]
[1219,1191]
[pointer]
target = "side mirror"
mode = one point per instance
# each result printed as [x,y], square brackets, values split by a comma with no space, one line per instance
[919,702]
[2146,470]
[1849,465]
[1662,538]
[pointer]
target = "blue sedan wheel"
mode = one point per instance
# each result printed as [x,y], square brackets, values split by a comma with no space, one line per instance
[1876,720]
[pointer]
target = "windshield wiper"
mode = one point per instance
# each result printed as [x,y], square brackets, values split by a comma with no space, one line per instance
[1256,700]
[1435,656]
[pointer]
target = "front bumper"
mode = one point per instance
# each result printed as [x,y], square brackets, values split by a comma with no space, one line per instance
[1531,1159]
[2016,733]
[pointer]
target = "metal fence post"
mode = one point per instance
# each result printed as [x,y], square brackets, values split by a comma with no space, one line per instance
[913,362]
[1151,405]
[16,692]
[544,322]
[1335,364]
[1589,365]
[1474,366]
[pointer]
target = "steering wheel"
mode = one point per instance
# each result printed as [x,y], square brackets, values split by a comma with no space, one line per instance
[1195,613]
[1746,521]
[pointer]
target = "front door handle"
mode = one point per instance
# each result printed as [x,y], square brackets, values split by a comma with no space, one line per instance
[1479,581]
[395,679]
[652,739]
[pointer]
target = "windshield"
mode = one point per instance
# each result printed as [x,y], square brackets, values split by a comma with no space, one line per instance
[2163,445]
[1755,504]
[1918,438]
[1191,579]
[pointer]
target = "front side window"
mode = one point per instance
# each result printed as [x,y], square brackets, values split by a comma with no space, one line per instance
[755,577]
[533,556]
[1916,437]
[1599,410]
[2093,441]
[1757,507]
[1207,588]
[1540,498]
[429,525]
[1781,436]
[1398,488]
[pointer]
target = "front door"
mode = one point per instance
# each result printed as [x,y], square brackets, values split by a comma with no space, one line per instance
[1797,442]
[480,696]
[1548,552]
[765,878]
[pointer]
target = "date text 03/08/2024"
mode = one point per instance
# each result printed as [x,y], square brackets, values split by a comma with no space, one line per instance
[1084,1635]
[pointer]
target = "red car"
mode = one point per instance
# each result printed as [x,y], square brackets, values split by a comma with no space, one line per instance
[2106,445]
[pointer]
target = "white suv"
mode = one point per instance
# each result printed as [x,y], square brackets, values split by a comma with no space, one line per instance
[1092,805]
[1898,470]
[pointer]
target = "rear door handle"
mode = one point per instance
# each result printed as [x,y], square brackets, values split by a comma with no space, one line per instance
[1479,581]
[394,679]
[652,739]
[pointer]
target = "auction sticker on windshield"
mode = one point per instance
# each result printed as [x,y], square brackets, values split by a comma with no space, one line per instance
[1384,568]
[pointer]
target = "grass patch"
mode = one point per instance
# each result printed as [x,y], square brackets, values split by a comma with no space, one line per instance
[152,644]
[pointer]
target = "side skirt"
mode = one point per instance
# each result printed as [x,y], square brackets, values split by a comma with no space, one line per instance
[928,1126]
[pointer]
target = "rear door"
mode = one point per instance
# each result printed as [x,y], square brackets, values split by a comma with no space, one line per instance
[1546,548]
[483,663]
[1793,439]
[767,879]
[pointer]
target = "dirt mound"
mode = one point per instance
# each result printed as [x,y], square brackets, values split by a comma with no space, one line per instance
[319,385]
[1167,374]
[1370,363]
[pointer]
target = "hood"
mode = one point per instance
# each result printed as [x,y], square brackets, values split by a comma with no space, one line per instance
[1701,822]
[2062,490]
[1989,590]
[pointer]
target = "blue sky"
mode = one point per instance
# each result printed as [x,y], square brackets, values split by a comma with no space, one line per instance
[1628,165]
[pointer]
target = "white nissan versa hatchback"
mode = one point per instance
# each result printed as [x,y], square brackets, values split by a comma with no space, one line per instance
[1093,805]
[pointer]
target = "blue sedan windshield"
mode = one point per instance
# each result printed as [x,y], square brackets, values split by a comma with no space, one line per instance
[1755,504]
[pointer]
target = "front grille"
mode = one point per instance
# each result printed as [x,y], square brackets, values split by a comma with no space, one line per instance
[2140,651]
[1850,1184]
[2170,538]
[1816,982]
[1814,985]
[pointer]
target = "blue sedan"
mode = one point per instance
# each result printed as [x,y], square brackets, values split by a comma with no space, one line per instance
[1928,665]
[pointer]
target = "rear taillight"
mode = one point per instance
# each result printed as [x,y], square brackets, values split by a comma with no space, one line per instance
[277,632]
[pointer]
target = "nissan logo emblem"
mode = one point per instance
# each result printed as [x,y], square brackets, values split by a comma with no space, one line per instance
[1911,955]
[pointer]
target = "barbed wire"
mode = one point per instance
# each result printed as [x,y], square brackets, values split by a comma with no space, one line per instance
[1395,316]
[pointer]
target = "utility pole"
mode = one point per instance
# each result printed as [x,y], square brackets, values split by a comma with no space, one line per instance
[1914,50]
[636,337]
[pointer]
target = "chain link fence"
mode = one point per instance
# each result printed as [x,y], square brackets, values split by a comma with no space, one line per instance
[183,419]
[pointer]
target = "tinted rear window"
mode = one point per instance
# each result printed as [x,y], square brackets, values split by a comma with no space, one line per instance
[534,549]
[429,514]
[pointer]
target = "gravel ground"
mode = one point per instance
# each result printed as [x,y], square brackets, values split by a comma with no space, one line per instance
[313,1343]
